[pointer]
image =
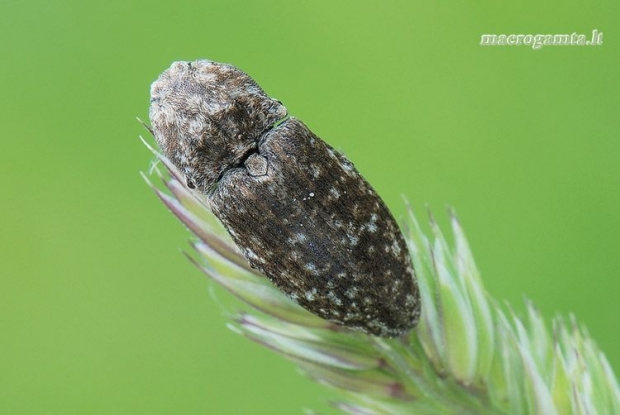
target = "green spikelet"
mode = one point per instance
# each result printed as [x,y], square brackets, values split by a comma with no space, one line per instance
[468,355]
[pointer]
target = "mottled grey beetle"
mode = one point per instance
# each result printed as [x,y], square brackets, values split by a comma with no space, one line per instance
[299,210]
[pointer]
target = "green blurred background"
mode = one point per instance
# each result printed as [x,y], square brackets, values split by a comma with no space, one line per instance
[99,311]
